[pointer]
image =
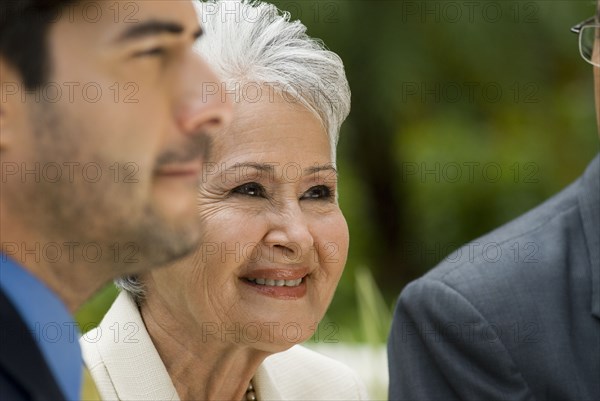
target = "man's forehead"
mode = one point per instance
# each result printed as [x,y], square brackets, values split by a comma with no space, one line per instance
[133,10]
[113,18]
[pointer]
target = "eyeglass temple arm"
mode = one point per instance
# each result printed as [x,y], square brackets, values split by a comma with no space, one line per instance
[577,28]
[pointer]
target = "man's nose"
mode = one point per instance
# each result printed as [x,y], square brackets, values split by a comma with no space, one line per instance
[201,108]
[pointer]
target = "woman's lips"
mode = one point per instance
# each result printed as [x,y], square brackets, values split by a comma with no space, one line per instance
[278,283]
[291,273]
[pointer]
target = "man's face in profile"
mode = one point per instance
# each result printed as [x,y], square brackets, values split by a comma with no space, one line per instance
[117,134]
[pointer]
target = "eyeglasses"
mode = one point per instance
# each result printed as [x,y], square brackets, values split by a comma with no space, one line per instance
[588,32]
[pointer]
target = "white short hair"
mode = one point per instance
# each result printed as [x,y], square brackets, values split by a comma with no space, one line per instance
[248,42]
[251,42]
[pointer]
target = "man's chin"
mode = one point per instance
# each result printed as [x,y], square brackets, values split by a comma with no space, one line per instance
[159,244]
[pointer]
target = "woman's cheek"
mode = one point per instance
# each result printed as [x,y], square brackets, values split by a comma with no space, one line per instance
[332,245]
[338,237]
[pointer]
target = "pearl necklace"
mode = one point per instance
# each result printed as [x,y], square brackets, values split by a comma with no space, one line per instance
[250,393]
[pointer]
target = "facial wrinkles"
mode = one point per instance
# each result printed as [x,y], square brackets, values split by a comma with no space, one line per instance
[212,210]
[190,293]
[265,134]
[218,298]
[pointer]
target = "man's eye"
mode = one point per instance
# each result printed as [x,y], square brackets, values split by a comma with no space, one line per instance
[250,189]
[318,192]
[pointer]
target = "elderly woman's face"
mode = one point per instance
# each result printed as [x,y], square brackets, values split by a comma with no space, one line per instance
[274,239]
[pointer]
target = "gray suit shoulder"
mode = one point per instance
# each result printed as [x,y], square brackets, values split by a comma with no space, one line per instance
[510,315]
[532,275]
[536,242]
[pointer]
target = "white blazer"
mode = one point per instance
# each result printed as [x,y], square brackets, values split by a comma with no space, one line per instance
[126,366]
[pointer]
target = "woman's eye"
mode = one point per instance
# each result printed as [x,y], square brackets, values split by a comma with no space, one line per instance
[250,189]
[318,192]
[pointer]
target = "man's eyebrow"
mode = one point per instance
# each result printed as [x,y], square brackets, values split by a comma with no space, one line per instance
[154,27]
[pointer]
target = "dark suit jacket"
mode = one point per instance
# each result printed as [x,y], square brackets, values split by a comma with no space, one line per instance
[514,315]
[24,374]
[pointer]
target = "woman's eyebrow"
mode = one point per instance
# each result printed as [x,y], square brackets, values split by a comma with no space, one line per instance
[316,169]
[263,167]
[270,167]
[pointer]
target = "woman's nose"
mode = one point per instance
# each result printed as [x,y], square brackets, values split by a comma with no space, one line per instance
[289,236]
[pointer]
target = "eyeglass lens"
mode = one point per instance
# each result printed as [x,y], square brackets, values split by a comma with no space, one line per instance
[588,36]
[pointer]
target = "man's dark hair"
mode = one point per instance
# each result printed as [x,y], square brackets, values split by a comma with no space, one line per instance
[24,25]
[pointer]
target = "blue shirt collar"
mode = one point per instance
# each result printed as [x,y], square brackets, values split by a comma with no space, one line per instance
[49,321]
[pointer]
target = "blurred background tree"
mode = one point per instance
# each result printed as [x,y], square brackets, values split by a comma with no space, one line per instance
[465,114]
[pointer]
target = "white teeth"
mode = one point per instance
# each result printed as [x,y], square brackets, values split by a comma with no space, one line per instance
[293,283]
[278,283]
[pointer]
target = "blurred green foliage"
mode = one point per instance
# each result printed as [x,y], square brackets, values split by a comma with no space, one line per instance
[465,114]
[374,314]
